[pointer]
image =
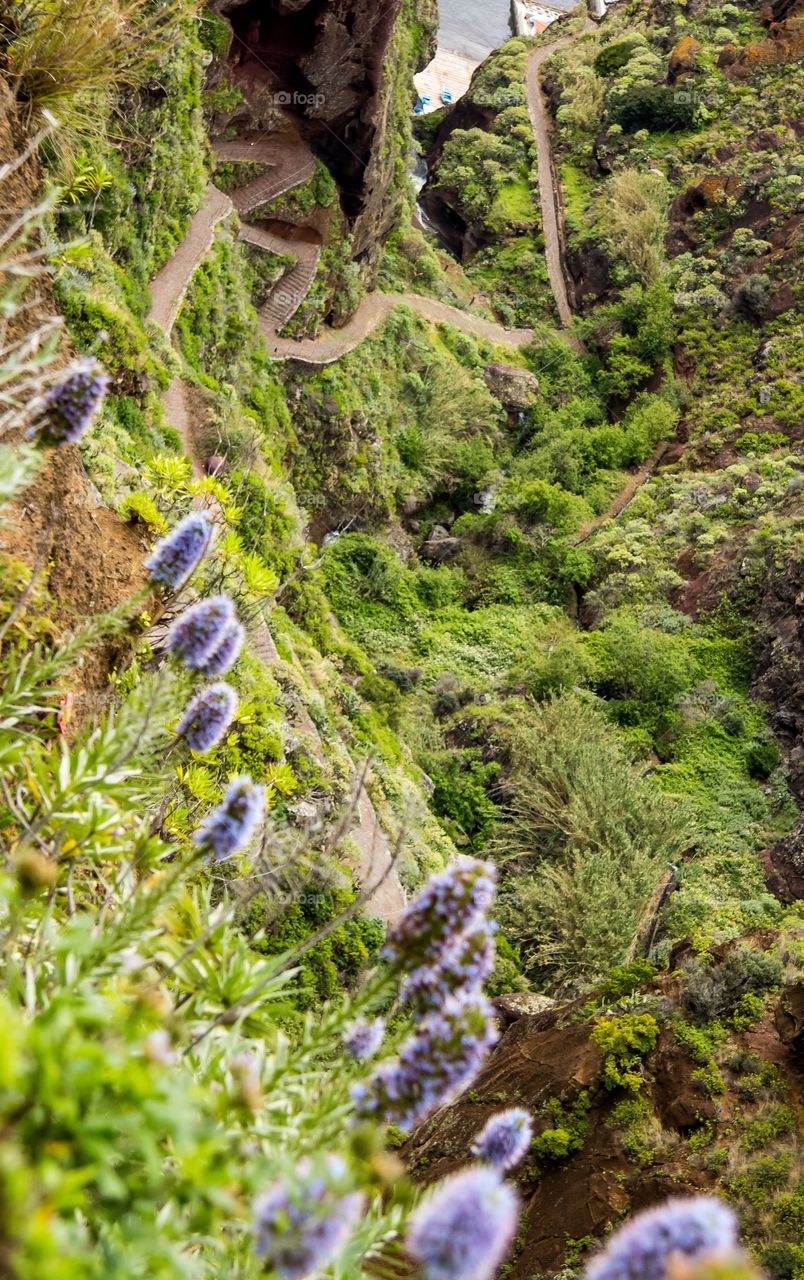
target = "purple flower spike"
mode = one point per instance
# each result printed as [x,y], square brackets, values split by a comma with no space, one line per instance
[195,635]
[69,407]
[297,1234]
[690,1226]
[434,1065]
[208,717]
[225,654]
[229,826]
[449,906]
[505,1139]
[363,1039]
[176,556]
[463,1229]
[464,967]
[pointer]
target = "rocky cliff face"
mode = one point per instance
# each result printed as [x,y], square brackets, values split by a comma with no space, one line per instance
[337,68]
[711,1105]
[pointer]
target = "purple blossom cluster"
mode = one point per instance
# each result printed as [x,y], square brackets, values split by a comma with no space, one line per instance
[68,409]
[363,1039]
[208,716]
[297,1233]
[176,556]
[451,905]
[505,1139]
[691,1227]
[229,826]
[434,1065]
[226,653]
[200,630]
[463,1229]
[465,966]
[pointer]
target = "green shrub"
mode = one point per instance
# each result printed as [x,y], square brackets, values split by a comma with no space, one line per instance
[654,107]
[714,990]
[614,56]
[590,840]
[627,978]
[625,1041]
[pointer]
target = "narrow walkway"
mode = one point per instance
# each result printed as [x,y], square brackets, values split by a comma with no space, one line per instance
[169,286]
[294,285]
[332,344]
[375,864]
[624,498]
[549,193]
[291,163]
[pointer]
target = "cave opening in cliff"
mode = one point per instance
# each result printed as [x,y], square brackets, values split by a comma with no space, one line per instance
[277,40]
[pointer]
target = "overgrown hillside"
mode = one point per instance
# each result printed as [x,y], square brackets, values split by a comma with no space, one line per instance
[333,604]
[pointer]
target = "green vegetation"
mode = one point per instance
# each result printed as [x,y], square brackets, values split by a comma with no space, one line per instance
[624,1042]
[478,617]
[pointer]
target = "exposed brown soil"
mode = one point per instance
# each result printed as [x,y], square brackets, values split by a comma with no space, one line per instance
[87,558]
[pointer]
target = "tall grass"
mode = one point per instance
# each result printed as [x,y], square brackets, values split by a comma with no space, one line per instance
[63,54]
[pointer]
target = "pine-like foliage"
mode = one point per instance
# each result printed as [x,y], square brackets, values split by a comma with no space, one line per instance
[590,842]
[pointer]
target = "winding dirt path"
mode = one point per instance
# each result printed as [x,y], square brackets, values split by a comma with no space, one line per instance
[375,865]
[549,192]
[624,498]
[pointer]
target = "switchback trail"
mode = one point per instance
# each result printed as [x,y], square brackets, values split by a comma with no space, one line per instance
[375,864]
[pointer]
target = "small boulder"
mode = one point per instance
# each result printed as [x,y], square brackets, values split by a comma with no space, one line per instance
[515,388]
[521,1004]
[683,58]
[440,546]
[215,465]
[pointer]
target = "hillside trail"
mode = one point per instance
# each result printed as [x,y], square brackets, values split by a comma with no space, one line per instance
[624,498]
[551,202]
[549,190]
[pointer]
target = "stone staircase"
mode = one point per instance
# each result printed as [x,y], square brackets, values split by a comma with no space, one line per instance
[293,287]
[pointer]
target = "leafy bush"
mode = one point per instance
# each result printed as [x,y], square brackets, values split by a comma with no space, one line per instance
[614,56]
[714,990]
[624,1042]
[653,107]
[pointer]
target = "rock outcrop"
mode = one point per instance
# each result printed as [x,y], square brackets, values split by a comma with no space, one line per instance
[515,388]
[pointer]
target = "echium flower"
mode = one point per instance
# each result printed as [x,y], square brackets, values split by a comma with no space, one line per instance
[228,827]
[69,408]
[196,634]
[434,1065]
[176,556]
[208,717]
[225,654]
[298,1232]
[691,1226]
[505,1139]
[464,1228]
[450,905]
[464,967]
[363,1039]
